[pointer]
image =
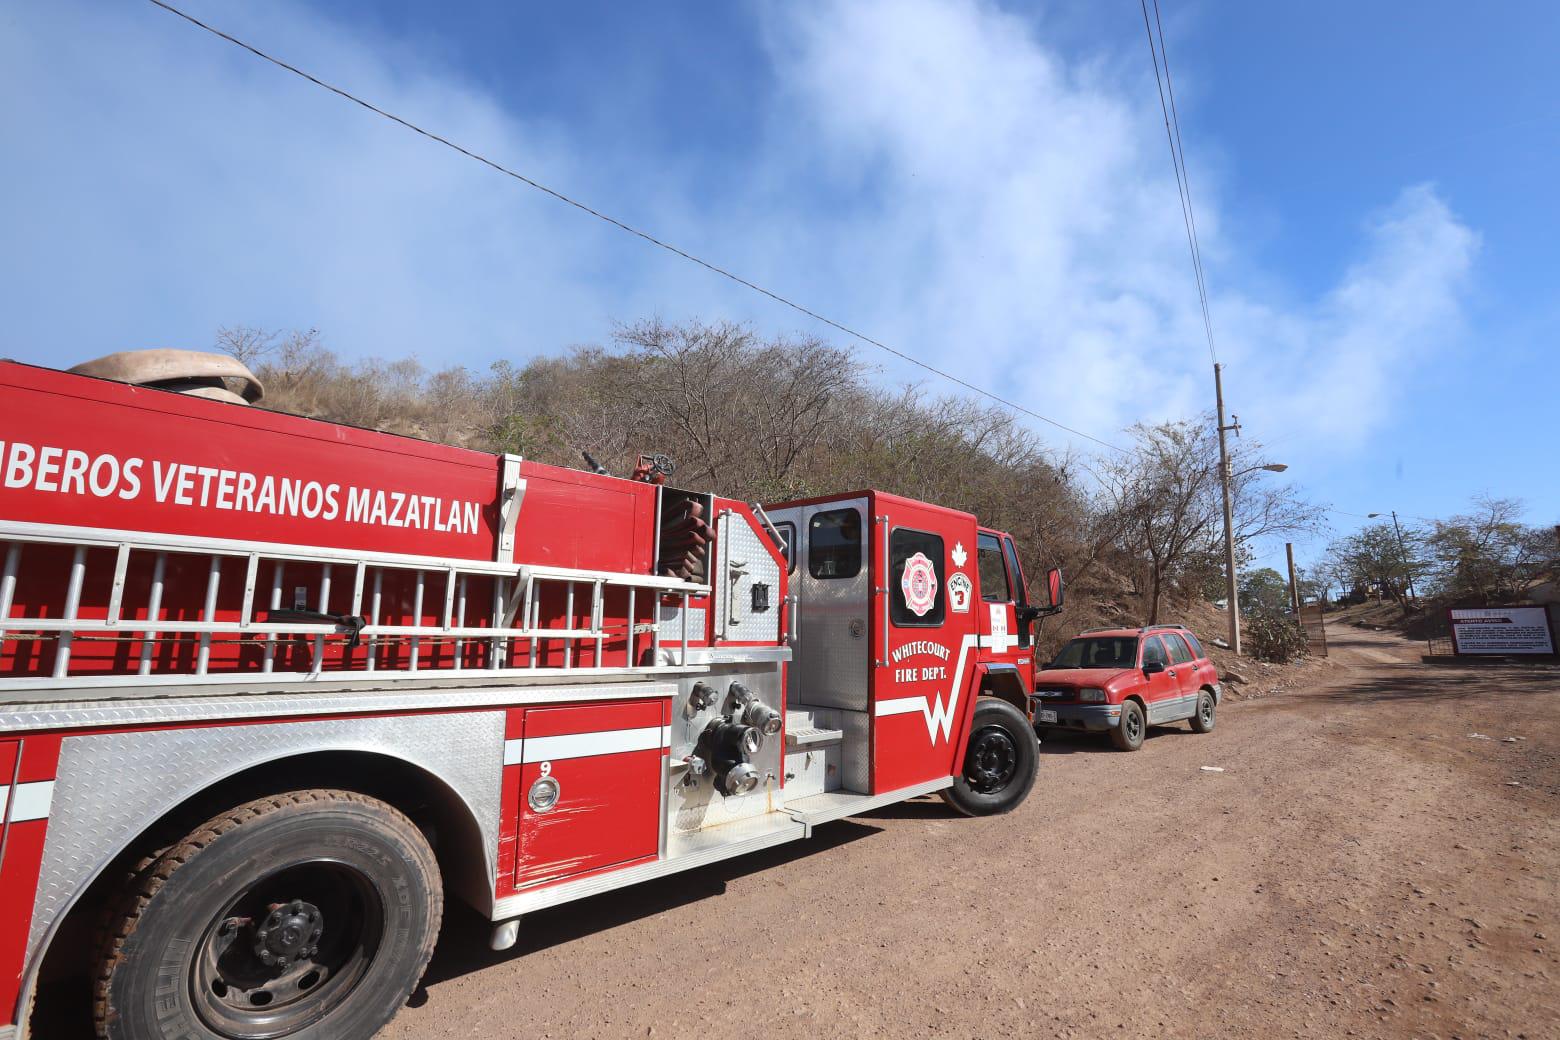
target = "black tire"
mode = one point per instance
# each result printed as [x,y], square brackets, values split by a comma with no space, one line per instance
[1205,718]
[1131,729]
[309,915]
[1000,763]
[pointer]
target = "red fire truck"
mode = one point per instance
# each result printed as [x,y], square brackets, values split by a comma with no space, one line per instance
[270,686]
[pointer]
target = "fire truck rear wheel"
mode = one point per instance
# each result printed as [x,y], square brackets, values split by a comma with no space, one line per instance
[1000,764]
[309,915]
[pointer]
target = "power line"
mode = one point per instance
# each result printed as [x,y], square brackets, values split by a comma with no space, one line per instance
[646,236]
[1178,163]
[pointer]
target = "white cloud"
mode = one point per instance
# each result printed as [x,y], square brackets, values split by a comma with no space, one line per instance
[1025,228]
[932,173]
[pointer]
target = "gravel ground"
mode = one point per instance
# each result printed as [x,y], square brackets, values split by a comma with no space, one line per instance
[1363,866]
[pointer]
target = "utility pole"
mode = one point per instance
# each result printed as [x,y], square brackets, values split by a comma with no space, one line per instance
[1232,595]
[1294,585]
[1408,572]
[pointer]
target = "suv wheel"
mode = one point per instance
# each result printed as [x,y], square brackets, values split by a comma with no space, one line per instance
[1203,721]
[1133,727]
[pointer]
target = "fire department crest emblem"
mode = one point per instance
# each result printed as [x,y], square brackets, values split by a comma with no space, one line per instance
[919,584]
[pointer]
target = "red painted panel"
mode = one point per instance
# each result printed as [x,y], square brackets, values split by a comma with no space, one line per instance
[140,459]
[609,805]
[592,718]
[21,857]
[574,519]
[509,809]
[18,888]
[40,758]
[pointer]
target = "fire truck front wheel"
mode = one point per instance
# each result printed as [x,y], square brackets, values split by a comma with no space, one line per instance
[1000,764]
[309,915]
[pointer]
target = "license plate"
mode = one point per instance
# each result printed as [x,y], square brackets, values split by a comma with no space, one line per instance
[1045,716]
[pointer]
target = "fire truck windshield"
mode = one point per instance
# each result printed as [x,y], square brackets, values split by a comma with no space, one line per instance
[1098,652]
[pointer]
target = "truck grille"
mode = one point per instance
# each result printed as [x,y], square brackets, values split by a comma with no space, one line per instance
[1052,693]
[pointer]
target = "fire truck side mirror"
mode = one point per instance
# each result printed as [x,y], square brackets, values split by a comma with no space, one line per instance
[1054,589]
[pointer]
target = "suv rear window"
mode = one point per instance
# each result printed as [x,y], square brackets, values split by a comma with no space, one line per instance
[1178,651]
[1191,640]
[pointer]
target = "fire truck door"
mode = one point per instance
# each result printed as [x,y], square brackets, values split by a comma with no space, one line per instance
[1005,641]
[830,644]
[924,645]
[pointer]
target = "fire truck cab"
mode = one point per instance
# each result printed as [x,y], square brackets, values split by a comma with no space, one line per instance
[270,686]
[905,615]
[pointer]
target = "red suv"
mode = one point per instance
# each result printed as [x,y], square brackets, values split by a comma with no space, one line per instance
[1123,680]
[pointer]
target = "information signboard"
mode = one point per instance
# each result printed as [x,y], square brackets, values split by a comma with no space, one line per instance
[1501,630]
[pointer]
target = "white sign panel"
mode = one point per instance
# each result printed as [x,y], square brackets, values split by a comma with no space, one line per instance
[1502,630]
[999,628]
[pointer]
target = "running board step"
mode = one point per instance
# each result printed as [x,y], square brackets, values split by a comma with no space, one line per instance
[836,805]
[805,737]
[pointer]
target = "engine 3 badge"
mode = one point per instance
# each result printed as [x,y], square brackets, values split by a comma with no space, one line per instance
[959,590]
[919,584]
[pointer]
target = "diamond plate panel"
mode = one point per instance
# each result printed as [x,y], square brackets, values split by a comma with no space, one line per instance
[856,751]
[669,620]
[741,545]
[112,786]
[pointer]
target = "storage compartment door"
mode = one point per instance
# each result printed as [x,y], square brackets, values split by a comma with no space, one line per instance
[590,788]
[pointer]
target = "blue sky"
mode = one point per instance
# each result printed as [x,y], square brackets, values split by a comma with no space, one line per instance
[985,185]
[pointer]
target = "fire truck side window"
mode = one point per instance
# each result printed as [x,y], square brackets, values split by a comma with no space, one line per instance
[788,544]
[993,572]
[1020,594]
[834,544]
[916,579]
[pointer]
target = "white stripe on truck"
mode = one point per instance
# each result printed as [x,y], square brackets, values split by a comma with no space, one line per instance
[586,745]
[27,801]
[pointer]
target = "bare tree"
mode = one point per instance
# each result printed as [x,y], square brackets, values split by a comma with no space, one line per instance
[1377,557]
[786,417]
[1489,555]
[1163,501]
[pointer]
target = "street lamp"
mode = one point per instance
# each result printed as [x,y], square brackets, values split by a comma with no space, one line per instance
[1402,552]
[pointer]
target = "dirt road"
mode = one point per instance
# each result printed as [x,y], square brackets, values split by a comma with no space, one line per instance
[1362,867]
